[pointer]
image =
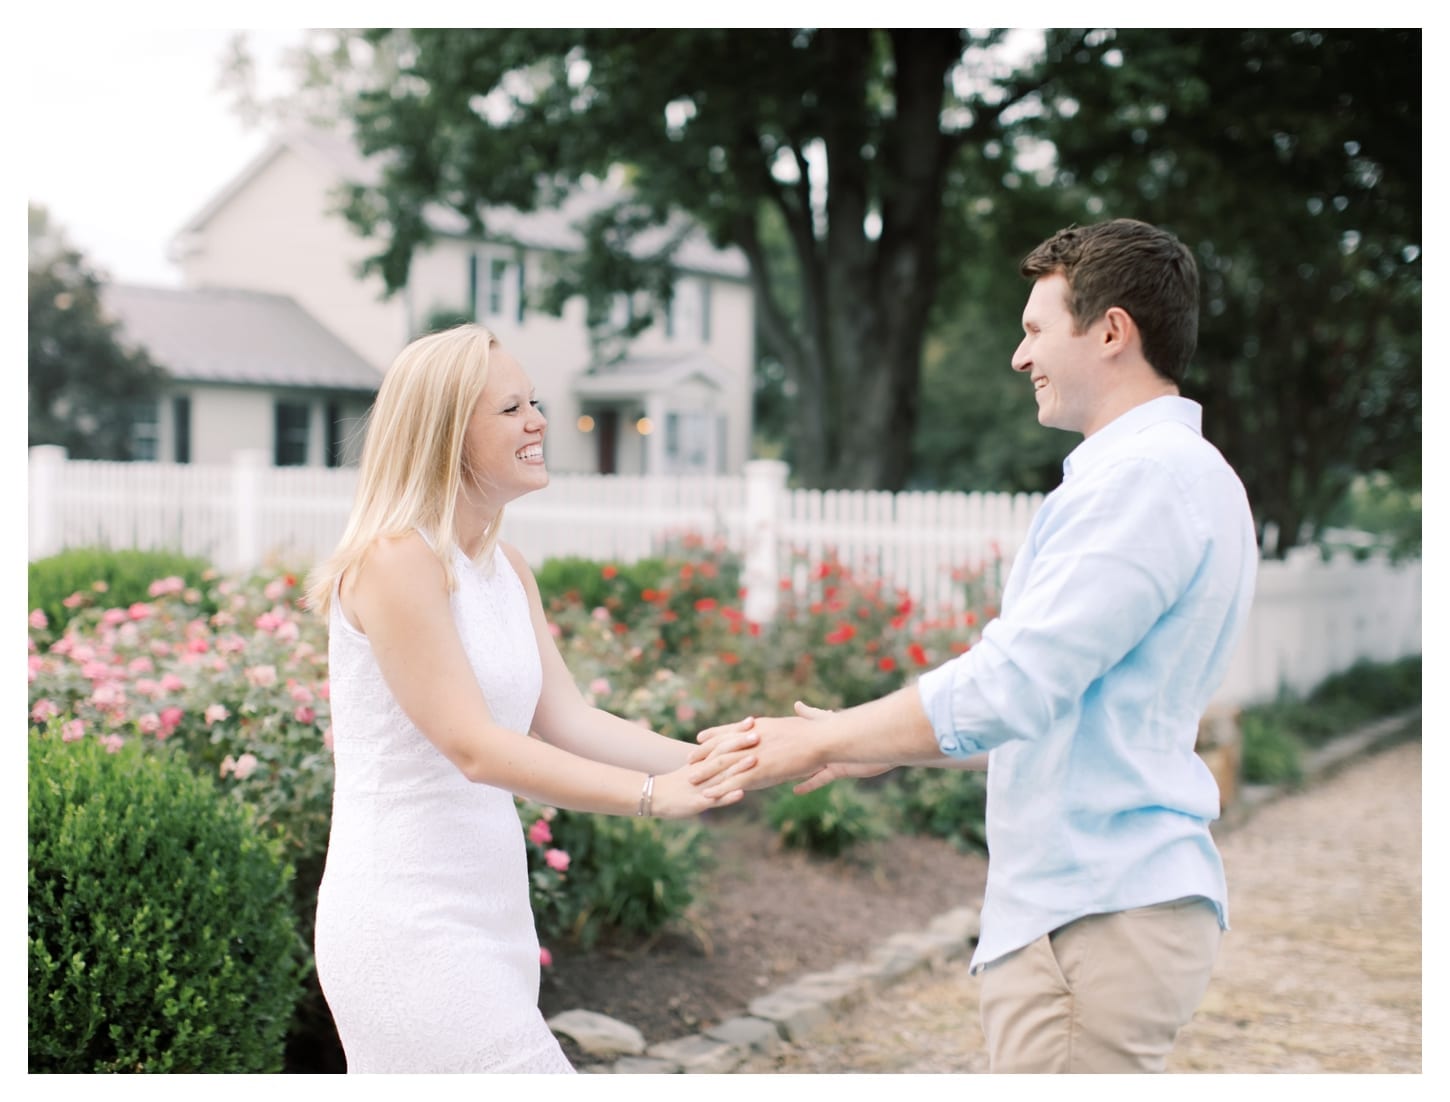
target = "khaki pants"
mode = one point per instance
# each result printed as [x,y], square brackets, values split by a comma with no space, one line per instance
[1105,993]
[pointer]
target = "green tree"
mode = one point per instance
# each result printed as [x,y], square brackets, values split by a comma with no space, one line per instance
[85,383]
[850,141]
[1291,162]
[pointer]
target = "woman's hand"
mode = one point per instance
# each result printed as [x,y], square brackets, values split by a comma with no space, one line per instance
[680,794]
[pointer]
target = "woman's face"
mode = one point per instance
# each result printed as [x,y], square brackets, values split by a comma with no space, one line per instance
[504,442]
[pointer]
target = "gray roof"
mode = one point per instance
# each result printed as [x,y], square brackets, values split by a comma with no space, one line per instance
[550,229]
[220,335]
[636,376]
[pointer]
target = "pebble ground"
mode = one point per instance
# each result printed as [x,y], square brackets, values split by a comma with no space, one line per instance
[1321,972]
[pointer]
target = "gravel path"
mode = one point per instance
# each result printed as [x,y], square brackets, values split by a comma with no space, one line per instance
[1320,973]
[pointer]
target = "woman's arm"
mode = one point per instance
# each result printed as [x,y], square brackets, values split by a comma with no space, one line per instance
[564,719]
[398,598]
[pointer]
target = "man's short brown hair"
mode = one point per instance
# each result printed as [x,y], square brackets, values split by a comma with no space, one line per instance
[1142,269]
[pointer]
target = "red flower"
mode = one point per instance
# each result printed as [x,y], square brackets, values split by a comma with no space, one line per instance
[844,633]
[970,619]
[687,572]
[705,604]
[669,616]
[887,664]
[754,628]
[961,648]
[918,654]
[729,657]
[648,595]
[608,571]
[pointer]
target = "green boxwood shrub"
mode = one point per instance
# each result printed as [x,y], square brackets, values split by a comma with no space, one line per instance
[1272,752]
[941,803]
[827,821]
[125,575]
[161,936]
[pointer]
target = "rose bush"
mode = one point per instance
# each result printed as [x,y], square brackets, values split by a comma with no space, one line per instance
[231,675]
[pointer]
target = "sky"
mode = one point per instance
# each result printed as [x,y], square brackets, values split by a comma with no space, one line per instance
[130,135]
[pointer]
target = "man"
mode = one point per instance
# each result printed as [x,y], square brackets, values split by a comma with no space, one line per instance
[1105,899]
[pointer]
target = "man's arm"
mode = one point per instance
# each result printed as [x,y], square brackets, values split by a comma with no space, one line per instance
[893,730]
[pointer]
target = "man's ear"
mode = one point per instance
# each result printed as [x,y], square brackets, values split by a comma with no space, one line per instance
[1119,330]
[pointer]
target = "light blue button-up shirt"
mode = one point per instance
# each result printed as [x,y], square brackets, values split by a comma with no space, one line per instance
[1119,617]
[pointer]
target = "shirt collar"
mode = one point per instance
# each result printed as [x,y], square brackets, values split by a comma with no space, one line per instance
[1169,408]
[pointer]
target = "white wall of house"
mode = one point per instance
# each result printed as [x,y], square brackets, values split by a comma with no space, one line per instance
[554,350]
[276,234]
[227,419]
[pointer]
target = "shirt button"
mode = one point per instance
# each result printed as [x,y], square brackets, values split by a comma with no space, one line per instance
[949,745]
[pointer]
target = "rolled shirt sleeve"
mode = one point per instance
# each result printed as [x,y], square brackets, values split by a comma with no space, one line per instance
[1108,554]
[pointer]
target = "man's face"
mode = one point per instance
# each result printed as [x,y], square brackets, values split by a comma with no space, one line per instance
[1063,366]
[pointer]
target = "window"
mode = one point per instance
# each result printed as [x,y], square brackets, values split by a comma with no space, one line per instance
[181,428]
[690,439]
[289,438]
[332,424]
[145,431]
[496,286]
[688,317]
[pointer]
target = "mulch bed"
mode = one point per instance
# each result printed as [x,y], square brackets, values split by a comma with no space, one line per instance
[763,916]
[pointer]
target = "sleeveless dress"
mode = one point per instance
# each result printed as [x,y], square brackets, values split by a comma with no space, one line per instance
[425,943]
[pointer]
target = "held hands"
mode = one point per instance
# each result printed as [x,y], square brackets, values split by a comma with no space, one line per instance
[787,749]
[679,794]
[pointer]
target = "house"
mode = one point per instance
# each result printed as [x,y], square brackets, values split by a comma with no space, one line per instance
[679,401]
[246,371]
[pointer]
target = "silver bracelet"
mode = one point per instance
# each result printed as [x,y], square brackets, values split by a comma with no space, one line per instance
[646,797]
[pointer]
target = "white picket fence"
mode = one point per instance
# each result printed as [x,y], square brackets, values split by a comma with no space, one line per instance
[1310,618]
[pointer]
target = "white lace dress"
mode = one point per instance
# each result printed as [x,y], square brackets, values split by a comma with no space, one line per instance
[425,945]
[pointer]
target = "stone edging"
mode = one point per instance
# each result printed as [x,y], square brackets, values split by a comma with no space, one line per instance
[787,1014]
[811,1001]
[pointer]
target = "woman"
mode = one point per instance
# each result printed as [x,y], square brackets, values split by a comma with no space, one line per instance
[441,664]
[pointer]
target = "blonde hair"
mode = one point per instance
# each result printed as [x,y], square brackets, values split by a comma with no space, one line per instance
[413,460]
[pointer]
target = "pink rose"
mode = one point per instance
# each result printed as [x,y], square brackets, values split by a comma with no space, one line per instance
[165,586]
[43,710]
[73,730]
[214,713]
[599,686]
[113,616]
[112,743]
[38,620]
[197,646]
[246,766]
[274,590]
[540,834]
[170,720]
[75,600]
[140,665]
[262,676]
[149,723]
[546,958]
[300,694]
[139,611]
[288,631]
[304,714]
[556,859]
[268,621]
